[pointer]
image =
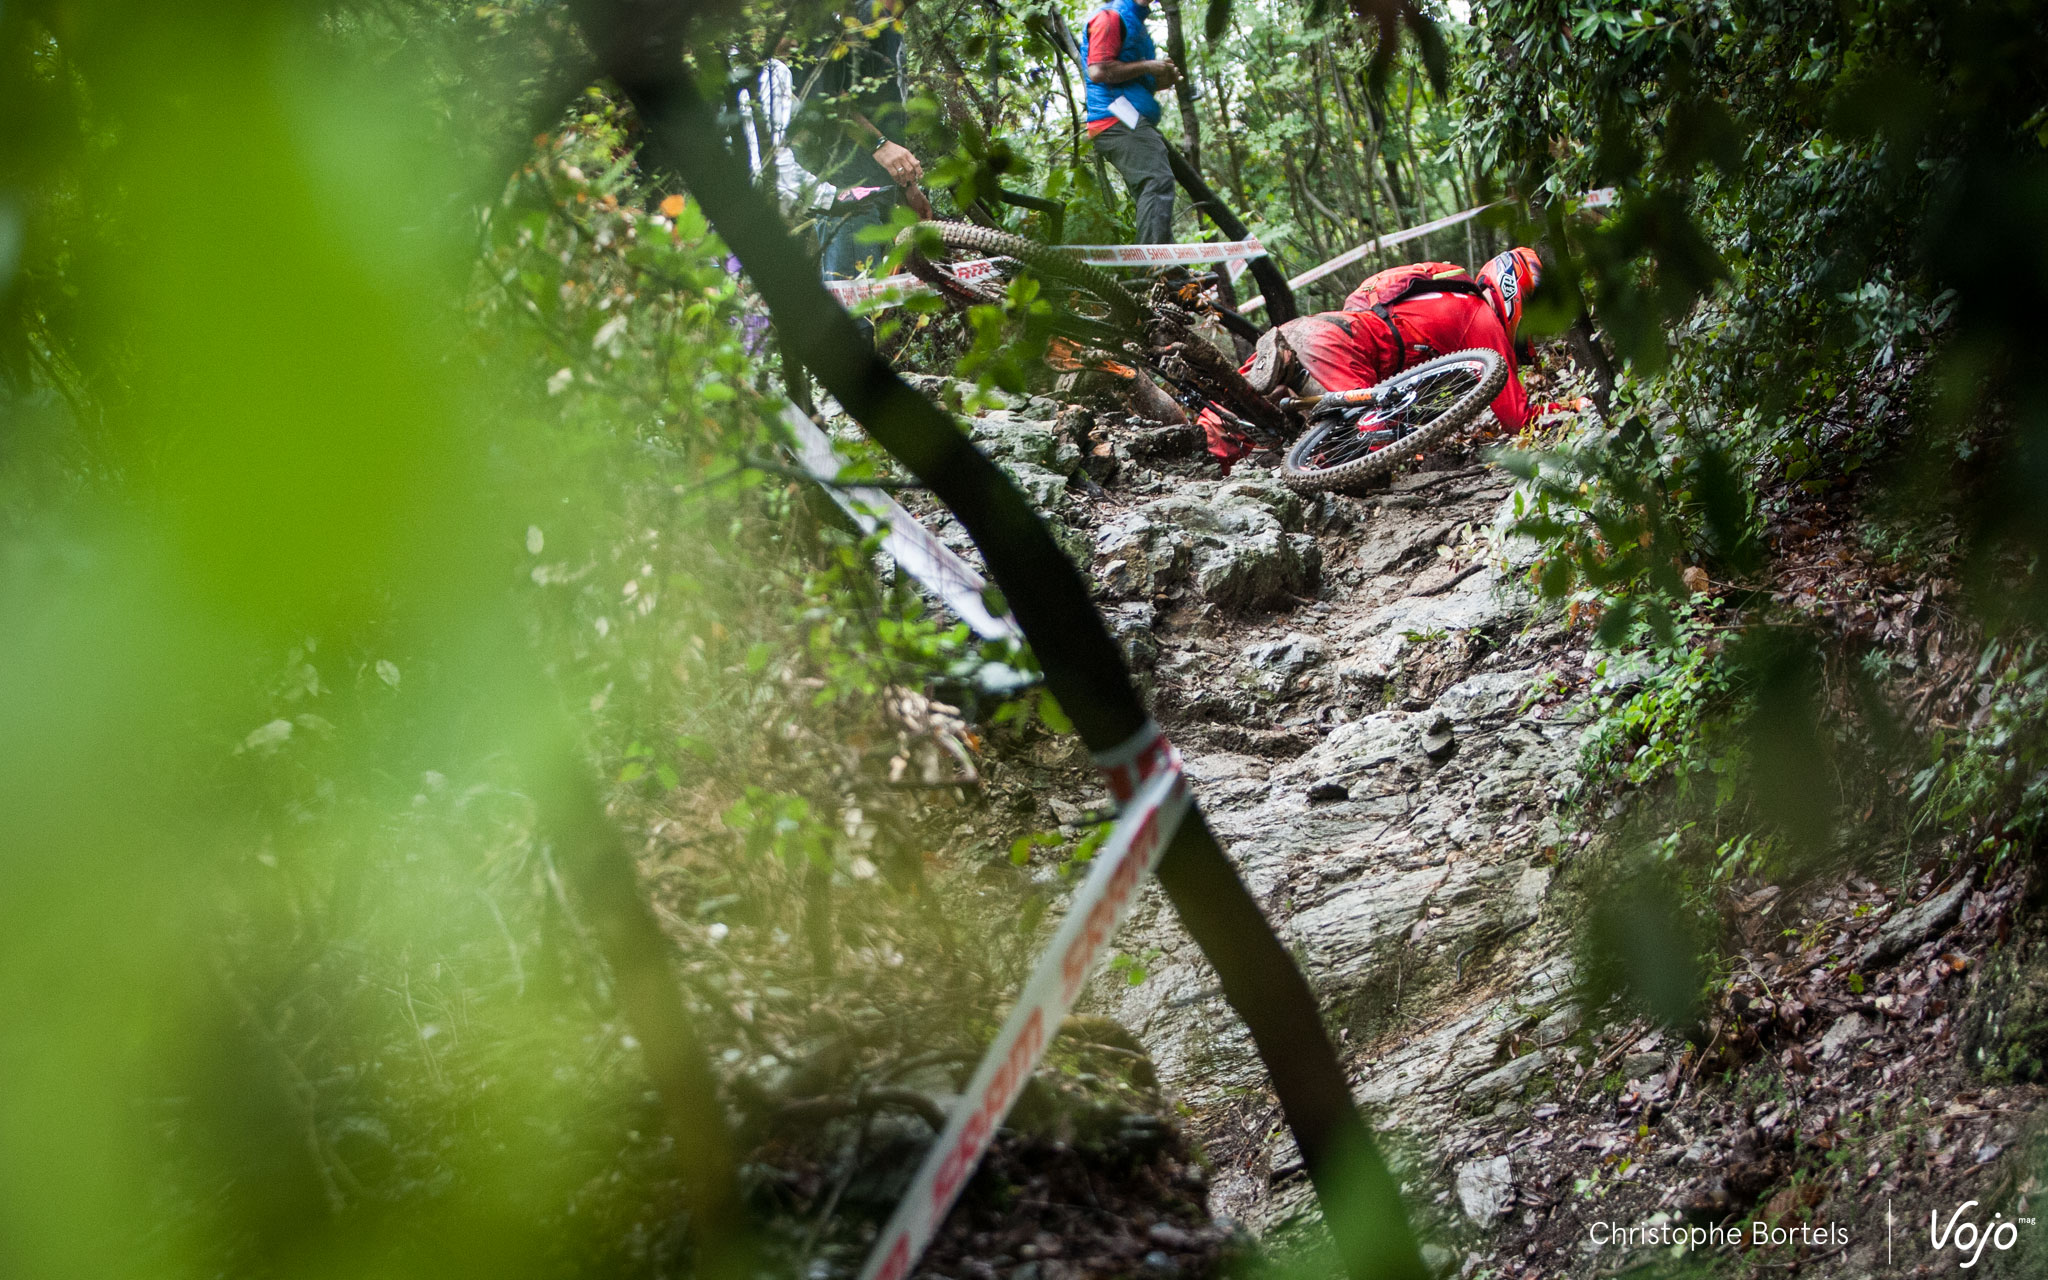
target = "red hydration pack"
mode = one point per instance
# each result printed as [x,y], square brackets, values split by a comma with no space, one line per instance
[1379,292]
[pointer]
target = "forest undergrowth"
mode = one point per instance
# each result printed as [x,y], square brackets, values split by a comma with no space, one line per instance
[471,804]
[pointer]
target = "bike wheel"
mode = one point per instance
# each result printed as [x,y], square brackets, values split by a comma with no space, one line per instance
[1045,260]
[1424,404]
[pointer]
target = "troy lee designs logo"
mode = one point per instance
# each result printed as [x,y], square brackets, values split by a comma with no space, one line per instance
[1510,281]
[1969,1238]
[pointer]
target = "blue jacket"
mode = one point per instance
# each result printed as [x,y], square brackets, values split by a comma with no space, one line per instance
[1138,47]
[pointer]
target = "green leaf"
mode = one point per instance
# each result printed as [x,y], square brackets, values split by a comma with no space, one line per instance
[1049,711]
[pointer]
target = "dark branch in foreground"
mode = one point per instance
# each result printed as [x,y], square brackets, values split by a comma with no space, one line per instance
[640,44]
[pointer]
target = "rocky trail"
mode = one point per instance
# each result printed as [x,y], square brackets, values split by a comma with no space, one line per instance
[1382,729]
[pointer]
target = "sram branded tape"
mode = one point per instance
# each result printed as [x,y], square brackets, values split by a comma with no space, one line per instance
[893,289]
[1133,848]
[1139,255]
[1134,762]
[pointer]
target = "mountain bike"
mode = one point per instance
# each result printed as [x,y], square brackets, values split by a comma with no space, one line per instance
[1098,311]
[1350,436]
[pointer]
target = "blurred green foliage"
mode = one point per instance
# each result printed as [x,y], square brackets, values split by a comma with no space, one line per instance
[375,435]
[346,488]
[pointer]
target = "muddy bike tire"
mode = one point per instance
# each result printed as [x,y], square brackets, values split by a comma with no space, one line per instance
[1471,379]
[1125,311]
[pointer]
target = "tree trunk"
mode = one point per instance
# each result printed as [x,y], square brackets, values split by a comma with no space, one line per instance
[1184,88]
[1231,145]
[1388,163]
[1586,345]
[1272,285]
[600,868]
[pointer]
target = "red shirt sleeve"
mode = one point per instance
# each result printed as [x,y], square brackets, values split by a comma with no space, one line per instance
[1105,37]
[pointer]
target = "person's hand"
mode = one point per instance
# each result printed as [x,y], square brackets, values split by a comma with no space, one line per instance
[914,196]
[896,160]
[1166,73]
[1558,408]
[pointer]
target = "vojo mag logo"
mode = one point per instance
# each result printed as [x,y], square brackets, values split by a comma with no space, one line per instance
[1968,1239]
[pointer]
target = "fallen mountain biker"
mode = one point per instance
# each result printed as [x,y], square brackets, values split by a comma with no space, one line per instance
[1395,320]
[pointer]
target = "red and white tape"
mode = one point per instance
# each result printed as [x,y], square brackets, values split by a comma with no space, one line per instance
[903,285]
[893,289]
[914,548]
[1142,757]
[1152,811]
[1145,255]
[1598,198]
[1387,241]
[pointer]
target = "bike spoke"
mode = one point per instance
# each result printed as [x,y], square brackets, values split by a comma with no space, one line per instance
[1412,407]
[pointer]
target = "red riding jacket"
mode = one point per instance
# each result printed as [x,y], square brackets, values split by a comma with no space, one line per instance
[1346,350]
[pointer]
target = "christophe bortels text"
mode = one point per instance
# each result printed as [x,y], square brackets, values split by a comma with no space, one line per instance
[1737,1235]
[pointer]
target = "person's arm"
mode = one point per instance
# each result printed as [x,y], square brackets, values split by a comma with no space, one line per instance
[1164,74]
[1512,407]
[1105,37]
[879,102]
[898,162]
[1457,321]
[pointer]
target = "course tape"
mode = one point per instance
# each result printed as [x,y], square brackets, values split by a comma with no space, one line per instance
[893,289]
[1131,764]
[1235,252]
[1142,255]
[851,291]
[1133,848]
[1387,241]
[912,546]
[1598,198]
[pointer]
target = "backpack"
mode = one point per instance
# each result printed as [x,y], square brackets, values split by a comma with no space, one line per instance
[1380,291]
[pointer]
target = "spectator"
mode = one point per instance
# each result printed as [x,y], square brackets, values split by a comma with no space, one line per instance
[850,132]
[769,107]
[1124,70]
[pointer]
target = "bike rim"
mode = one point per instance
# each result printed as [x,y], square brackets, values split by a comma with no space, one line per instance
[1409,406]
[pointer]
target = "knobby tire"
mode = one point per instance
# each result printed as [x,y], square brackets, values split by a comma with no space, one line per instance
[1045,260]
[1300,470]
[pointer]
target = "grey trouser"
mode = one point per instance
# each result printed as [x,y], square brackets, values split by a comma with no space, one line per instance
[1140,155]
